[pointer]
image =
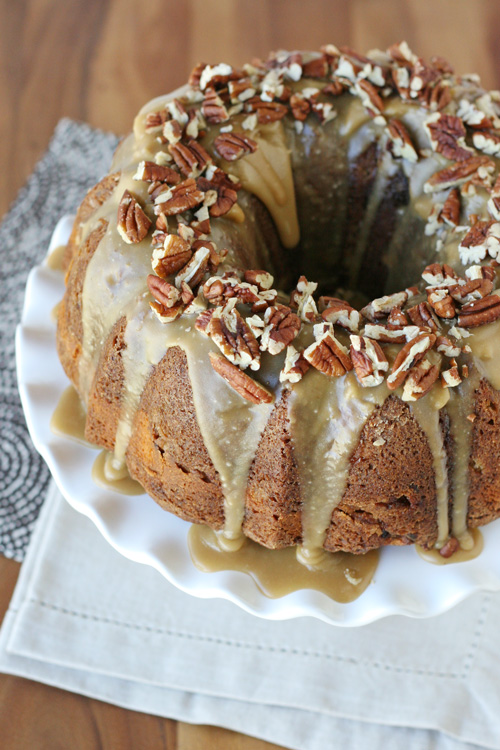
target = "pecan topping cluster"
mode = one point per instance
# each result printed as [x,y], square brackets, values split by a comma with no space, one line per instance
[189,185]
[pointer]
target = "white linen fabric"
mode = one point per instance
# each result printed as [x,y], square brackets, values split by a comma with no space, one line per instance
[90,621]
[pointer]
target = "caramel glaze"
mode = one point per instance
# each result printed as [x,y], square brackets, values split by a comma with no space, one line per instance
[327,416]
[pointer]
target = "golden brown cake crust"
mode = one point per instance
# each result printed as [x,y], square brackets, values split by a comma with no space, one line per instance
[484,496]
[273,502]
[391,493]
[69,322]
[94,199]
[167,454]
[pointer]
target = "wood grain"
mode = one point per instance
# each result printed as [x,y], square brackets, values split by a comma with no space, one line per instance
[99,61]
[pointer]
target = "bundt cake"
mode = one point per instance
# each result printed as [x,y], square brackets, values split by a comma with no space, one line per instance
[281,307]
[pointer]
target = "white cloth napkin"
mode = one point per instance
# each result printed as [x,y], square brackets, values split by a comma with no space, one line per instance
[88,620]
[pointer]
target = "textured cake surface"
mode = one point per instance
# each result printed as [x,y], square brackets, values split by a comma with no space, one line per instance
[281,307]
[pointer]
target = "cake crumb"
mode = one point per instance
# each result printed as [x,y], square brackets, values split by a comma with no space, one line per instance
[379,441]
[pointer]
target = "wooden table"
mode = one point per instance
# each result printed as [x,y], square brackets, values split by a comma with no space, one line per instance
[99,61]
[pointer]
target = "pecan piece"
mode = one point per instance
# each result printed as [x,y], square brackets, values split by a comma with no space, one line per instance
[295,366]
[339,312]
[487,142]
[471,290]
[421,315]
[408,357]
[213,108]
[401,142]
[191,158]
[261,279]
[420,380]
[382,306]
[450,213]
[302,300]
[132,224]
[447,136]
[441,302]
[171,256]
[234,337]
[329,356]
[391,334]
[369,361]
[148,171]
[282,326]
[480,312]
[451,378]
[240,381]
[458,173]
[232,146]
[482,239]
[300,107]
[203,321]
[194,271]
[180,198]
[266,111]
[167,304]
[369,96]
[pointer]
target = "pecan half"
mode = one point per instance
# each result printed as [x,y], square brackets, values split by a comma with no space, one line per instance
[234,337]
[480,312]
[132,224]
[240,381]
[329,356]
[369,361]
[421,315]
[408,357]
[232,146]
[266,111]
[420,380]
[471,290]
[282,326]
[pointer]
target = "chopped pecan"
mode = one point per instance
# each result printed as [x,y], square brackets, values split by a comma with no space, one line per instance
[335,88]
[487,142]
[282,326]
[168,303]
[180,198]
[436,274]
[261,279]
[369,95]
[450,547]
[422,78]
[132,224]
[194,271]
[240,381]
[401,142]
[329,356]
[471,290]
[451,378]
[191,158]
[339,312]
[232,146]
[421,315]
[408,357]
[148,171]
[300,106]
[266,111]
[171,255]
[203,321]
[391,334]
[482,239]
[481,272]
[480,312]
[447,136]
[457,173]
[315,68]
[450,213]
[234,337]
[445,346]
[441,302]
[213,108]
[382,306]
[155,121]
[369,361]
[438,96]
[240,90]
[295,367]
[302,300]
[397,318]
[218,289]
[420,380]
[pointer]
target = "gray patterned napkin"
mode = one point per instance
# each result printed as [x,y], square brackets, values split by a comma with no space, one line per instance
[76,158]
